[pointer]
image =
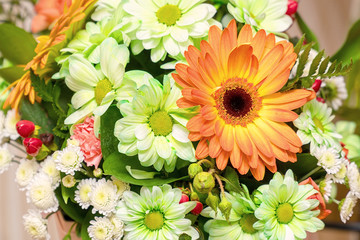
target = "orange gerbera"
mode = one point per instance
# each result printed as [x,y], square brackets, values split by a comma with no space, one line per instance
[235,80]
[43,64]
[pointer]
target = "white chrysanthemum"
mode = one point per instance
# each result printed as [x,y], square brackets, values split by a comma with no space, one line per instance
[5,158]
[69,160]
[106,9]
[339,176]
[315,126]
[104,197]
[353,176]
[101,229]
[97,87]
[48,166]
[118,227]
[72,142]
[347,206]
[328,158]
[40,192]
[334,91]
[35,225]
[153,127]
[2,123]
[269,15]
[82,194]
[121,186]
[10,124]
[326,187]
[169,26]
[25,172]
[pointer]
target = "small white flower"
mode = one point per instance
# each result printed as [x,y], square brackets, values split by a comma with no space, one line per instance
[35,225]
[48,166]
[326,187]
[83,191]
[118,227]
[328,158]
[104,197]
[121,186]
[339,177]
[101,229]
[5,158]
[347,207]
[10,124]
[69,160]
[334,91]
[353,176]
[2,122]
[41,193]
[72,142]
[25,172]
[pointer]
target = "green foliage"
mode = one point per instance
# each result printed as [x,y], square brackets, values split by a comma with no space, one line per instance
[36,114]
[309,35]
[16,44]
[45,91]
[11,74]
[232,180]
[116,163]
[109,143]
[86,223]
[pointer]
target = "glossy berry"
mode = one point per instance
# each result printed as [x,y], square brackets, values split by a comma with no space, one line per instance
[25,128]
[292,7]
[317,84]
[184,198]
[32,146]
[319,99]
[197,209]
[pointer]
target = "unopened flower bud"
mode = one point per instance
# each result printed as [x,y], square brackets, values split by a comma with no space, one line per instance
[225,207]
[213,201]
[194,169]
[32,146]
[319,99]
[98,172]
[25,128]
[184,198]
[204,182]
[68,181]
[46,138]
[197,209]
[292,7]
[194,196]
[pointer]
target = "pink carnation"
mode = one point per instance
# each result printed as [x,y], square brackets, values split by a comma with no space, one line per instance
[89,144]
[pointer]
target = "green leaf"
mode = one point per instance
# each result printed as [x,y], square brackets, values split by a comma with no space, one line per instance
[299,44]
[11,74]
[140,174]
[233,183]
[16,44]
[303,58]
[116,163]
[315,63]
[86,223]
[45,91]
[351,47]
[309,35]
[109,143]
[323,66]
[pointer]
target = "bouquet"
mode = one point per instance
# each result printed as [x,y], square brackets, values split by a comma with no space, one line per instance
[178,119]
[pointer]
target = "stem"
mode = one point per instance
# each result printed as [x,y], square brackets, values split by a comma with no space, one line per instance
[17,147]
[15,161]
[49,215]
[72,226]
[220,184]
[206,161]
[310,173]
[191,188]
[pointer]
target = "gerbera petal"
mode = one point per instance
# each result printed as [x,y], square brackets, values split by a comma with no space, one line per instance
[227,138]
[258,172]
[214,147]
[202,149]
[222,160]
[278,115]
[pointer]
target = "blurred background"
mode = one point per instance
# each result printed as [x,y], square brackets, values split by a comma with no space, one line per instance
[330,20]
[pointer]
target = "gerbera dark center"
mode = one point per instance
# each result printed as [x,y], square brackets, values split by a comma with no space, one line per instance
[237,102]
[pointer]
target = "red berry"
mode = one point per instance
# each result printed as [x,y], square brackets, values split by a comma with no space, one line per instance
[32,146]
[317,84]
[184,198]
[197,209]
[319,99]
[292,7]
[25,128]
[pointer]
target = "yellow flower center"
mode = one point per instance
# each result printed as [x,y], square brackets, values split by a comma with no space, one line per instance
[168,14]
[102,88]
[238,102]
[284,213]
[154,220]
[161,123]
[318,124]
[246,223]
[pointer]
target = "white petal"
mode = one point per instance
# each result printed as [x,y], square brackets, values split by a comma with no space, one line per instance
[82,70]
[162,147]
[180,133]
[81,113]
[141,131]
[82,97]
[179,34]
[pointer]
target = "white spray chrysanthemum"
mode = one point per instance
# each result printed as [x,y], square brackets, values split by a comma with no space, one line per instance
[82,194]
[118,227]
[328,158]
[35,225]
[10,124]
[5,158]
[40,192]
[326,187]
[101,229]
[339,176]
[353,176]
[48,167]
[25,172]
[69,159]
[104,197]
[121,186]
[346,207]
[334,91]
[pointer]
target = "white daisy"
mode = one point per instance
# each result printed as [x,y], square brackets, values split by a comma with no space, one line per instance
[48,166]
[82,194]
[339,176]
[40,192]
[333,90]
[35,225]
[169,26]
[69,160]
[25,172]
[94,89]
[10,124]
[106,9]
[346,206]
[328,158]
[121,186]
[353,176]
[5,158]
[101,229]
[264,14]
[118,227]
[104,197]
[326,187]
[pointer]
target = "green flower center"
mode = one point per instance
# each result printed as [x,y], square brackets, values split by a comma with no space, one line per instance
[318,123]
[246,223]
[161,123]
[168,14]
[102,88]
[330,91]
[154,220]
[284,213]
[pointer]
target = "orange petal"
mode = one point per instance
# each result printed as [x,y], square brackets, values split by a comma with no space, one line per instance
[202,149]
[270,161]
[245,35]
[239,61]
[222,160]
[260,140]
[227,138]
[278,115]
[208,112]
[235,157]
[292,157]
[194,136]
[208,128]
[280,154]
[270,87]
[259,43]
[244,167]
[214,39]
[243,140]
[285,97]
[219,127]
[286,131]
[274,137]
[214,147]
[198,80]
[258,172]
[195,123]
[184,103]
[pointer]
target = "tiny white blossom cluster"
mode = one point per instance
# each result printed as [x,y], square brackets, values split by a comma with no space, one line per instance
[35,225]
[8,125]
[104,228]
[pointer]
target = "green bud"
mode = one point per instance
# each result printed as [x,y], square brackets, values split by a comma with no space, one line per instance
[98,172]
[68,181]
[194,196]
[212,201]
[194,169]
[184,236]
[225,207]
[204,182]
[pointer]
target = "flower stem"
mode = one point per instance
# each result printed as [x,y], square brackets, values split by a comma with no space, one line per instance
[206,161]
[312,172]
[220,184]
[17,147]
[47,217]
